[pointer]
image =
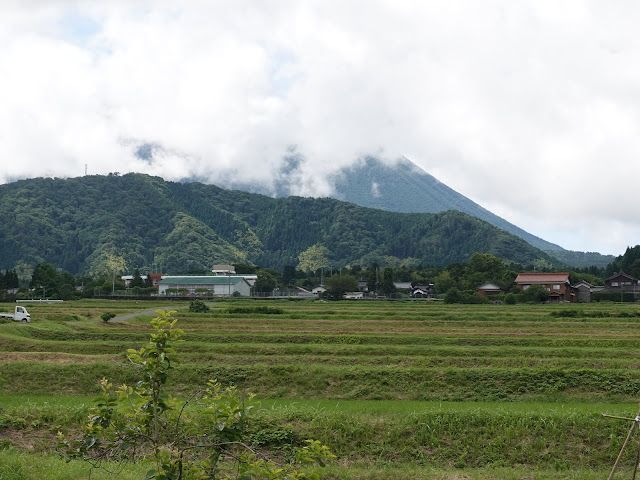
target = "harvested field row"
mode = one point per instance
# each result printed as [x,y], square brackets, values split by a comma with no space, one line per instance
[522,338]
[432,434]
[383,356]
[423,361]
[348,347]
[345,382]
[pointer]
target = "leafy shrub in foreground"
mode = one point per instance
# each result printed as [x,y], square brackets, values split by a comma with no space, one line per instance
[131,423]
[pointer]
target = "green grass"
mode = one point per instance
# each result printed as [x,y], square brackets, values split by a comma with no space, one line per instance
[426,434]
[19,465]
[398,390]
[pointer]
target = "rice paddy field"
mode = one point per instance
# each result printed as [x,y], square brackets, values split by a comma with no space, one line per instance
[400,390]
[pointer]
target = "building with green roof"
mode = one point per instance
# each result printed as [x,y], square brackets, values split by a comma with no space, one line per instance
[218,285]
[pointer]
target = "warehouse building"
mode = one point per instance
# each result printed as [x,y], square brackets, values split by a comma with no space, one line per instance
[218,285]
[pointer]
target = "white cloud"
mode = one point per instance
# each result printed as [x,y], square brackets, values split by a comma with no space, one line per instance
[529,108]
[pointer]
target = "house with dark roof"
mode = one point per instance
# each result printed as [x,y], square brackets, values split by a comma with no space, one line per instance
[621,281]
[583,291]
[557,284]
[488,289]
[421,291]
[318,289]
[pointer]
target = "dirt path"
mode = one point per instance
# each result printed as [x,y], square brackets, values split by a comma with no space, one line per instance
[122,318]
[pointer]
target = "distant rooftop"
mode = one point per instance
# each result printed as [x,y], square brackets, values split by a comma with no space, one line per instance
[201,280]
[223,269]
[531,278]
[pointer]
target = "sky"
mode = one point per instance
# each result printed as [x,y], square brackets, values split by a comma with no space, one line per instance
[529,108]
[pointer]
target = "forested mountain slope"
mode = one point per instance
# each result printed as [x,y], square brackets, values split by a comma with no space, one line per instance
[80,224]
[405,187]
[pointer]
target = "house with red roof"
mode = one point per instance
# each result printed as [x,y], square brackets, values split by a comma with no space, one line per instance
[557,284]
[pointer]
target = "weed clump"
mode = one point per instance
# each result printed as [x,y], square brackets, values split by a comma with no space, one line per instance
[198,306]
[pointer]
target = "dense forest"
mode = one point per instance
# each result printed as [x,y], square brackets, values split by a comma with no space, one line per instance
[93,224]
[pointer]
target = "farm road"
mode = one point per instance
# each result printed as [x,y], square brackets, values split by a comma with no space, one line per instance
[122,318]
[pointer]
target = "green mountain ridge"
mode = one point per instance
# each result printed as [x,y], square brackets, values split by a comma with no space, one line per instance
[404,187]
[77,223]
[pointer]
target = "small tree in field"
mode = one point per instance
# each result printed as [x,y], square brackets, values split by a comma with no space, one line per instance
[204,441]
[198,306]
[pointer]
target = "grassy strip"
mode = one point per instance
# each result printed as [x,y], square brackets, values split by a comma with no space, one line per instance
[411,472]
[433,436]
[31,402]
[18,465]
[344,382]
[368,360]
[461,339]
[203,350]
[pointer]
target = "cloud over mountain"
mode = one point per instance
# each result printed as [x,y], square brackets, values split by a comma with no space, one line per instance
[522,106]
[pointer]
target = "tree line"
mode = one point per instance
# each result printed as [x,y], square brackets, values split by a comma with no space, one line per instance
[460,278]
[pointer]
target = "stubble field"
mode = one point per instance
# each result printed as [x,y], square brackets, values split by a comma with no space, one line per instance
[415,390]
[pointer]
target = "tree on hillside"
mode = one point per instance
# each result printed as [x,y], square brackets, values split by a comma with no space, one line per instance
[314,258]
[634,269]
[11,279]
[623,262]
